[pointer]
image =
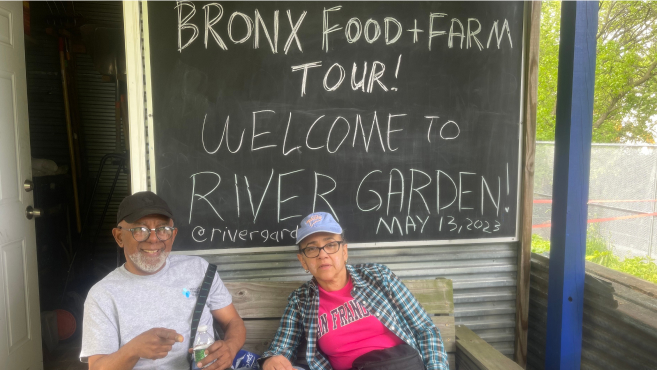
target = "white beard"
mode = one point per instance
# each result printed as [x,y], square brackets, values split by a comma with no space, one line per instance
[148,264]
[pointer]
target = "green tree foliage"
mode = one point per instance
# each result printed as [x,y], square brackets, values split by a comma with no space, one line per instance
[599,251]
[625,105]
[548,63]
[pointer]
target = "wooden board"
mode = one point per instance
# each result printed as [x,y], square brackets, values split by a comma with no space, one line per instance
[435,296]
[262,299]
[533,12]
[267,299]
[474,353]
[259,334]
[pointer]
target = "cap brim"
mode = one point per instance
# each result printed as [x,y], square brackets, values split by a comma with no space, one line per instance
[145,212]
[319,231]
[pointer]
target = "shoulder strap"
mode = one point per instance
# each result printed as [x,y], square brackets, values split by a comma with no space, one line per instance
[203,292]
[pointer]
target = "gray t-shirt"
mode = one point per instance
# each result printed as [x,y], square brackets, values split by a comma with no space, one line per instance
[124,305]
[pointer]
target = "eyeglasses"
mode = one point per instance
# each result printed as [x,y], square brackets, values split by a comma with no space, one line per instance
[330,248]
[142,233]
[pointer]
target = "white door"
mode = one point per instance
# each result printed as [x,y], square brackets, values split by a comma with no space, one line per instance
[20,324]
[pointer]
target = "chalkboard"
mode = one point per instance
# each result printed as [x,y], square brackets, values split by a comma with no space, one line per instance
[402,119]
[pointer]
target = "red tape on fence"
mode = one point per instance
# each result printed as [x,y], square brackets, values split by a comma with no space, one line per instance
[594,220]
[548,201]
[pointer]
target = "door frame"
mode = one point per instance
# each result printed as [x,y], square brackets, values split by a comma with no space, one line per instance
[140,117]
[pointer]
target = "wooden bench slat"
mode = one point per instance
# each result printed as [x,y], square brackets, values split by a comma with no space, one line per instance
[474,353]
[267,299]
[436,295]
[464,362]
[259,334]
[255,300]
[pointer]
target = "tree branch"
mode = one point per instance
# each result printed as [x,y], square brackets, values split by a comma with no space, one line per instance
[606,23]
[646,76]
[610,108]
[612,105]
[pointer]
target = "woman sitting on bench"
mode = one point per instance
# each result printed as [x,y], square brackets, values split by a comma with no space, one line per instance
[351,316]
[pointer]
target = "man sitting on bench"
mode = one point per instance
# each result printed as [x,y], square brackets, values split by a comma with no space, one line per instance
[139,316]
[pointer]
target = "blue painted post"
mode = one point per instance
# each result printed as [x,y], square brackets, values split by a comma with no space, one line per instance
[572,155]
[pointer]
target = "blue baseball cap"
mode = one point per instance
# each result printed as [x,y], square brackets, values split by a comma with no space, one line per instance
[317,222]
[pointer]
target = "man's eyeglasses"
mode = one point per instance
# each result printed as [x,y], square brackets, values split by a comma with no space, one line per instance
[142,233]
[330,248]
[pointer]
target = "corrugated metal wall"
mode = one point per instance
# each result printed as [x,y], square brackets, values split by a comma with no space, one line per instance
[44,91]
[97,117]
[619,328]
[484,277]
[96,99]
[106,13]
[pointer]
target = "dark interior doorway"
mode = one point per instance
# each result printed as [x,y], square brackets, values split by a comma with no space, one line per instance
[78,182]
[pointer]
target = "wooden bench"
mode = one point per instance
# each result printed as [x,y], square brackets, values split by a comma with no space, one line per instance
[261,305]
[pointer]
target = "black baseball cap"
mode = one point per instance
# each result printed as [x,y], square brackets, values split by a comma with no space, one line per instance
[144,203]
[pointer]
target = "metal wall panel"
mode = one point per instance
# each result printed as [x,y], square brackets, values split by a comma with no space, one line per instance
[105,13]
[619,323]
[96,104]
[484,277]
[96,100]
[48,138]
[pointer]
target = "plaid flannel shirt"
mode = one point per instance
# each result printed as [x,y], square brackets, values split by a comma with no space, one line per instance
[377,288]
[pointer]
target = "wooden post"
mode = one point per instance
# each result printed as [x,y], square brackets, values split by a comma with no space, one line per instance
[135,72]
[572,157]
[69,134]
[533,26]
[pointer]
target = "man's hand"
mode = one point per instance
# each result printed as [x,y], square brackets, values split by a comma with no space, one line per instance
[220,351]
[155,343]
[279,362]
[151,344]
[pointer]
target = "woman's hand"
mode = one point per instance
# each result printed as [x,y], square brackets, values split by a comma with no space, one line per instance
[279,362]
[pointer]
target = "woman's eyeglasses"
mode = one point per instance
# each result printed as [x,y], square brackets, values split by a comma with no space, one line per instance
[330,248]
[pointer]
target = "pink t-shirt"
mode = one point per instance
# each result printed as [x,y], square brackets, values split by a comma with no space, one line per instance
[347,329]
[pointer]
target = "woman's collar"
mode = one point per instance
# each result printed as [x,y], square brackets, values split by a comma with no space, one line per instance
[355,278]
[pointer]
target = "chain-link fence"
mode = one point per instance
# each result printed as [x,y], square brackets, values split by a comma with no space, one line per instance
[622,193]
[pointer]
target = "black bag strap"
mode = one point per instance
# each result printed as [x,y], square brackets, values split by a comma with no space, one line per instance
[203,292]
